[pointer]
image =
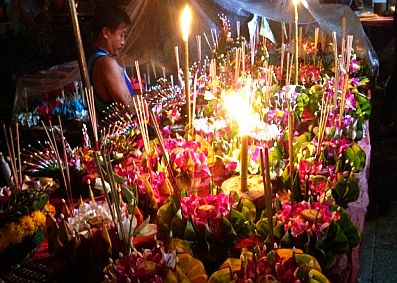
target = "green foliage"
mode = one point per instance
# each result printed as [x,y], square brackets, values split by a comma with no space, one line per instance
[356,157]
[346,190]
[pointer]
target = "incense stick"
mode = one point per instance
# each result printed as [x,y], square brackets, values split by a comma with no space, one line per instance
[12,160]
[138,73]
[265,169]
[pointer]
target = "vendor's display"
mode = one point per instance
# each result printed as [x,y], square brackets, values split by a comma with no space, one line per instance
[244,173]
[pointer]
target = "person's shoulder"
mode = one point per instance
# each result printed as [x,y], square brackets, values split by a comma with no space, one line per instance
[106,62]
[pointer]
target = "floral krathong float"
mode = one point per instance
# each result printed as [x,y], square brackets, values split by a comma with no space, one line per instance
[251,183]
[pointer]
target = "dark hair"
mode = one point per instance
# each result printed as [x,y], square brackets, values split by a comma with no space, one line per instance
[110,16]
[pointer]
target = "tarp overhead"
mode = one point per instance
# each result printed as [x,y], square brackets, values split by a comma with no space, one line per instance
[156,28]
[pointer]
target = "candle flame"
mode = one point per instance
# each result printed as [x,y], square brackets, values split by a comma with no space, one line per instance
[295,2]
[186,19]
[238,109]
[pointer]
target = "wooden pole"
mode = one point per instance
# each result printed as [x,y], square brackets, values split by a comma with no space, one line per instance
[80,50]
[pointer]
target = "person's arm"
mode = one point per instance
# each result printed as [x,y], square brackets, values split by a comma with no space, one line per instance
[109,81]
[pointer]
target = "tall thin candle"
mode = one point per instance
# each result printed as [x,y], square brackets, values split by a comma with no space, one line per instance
[295,3]
[186,18]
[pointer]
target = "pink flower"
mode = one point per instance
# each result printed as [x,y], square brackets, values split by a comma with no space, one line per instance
[354,66]
[206,210]
[301,217]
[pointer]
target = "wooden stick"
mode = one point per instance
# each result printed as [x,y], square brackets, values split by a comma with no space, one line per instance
[282,62]
[265,168]
[198,41]
[10,154]
[208,42]
[53,145]
[336,59]
[99,167]
[194,99]
[316,31]
[19,153]
[65,156]
[243,54]
[178,67]
[14,160]
[138,73]
[148,76]
[154,68]
[300,34]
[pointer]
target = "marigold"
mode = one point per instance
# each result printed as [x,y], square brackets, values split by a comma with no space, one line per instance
[15,233]
[39,218]
[27,224]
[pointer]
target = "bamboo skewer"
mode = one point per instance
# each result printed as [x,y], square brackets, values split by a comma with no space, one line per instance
[69,187]
[336,59]
[198,41]
[54,147]
[138,73]
[12,159]
[282,62]
[316,31]
[89,94]
[346,77]
[206,40]
[19,153]
[265,169]
[99,167]
[243,54]
[154,69]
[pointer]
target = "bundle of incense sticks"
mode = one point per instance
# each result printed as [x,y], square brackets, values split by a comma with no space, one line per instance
[142,113]
[63,164]
[89,94]
[206,40]
[106,171]
[268,85]
[325,111]
[14,158]
[138,74]
[265,170]
[346,57]
[165,152]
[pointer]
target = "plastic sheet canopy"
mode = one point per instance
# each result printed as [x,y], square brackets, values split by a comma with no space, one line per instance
[35,87]
[156,28]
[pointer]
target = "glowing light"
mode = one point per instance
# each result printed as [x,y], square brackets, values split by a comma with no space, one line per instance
[238,109]
[186,19]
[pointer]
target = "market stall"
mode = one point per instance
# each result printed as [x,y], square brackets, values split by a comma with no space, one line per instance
[251,164]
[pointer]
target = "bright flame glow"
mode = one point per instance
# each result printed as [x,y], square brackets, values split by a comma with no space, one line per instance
[186,19]
[295,2]
[238,109]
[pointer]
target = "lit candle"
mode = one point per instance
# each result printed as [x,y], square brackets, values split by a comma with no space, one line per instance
[295,3]
[237,106]
[186,18]
[244,162]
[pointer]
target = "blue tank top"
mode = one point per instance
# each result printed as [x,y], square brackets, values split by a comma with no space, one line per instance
[100,53]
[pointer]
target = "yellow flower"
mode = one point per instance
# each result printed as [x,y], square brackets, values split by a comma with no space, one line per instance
[27,224]
[50,209]
[39,219]
[15,233]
